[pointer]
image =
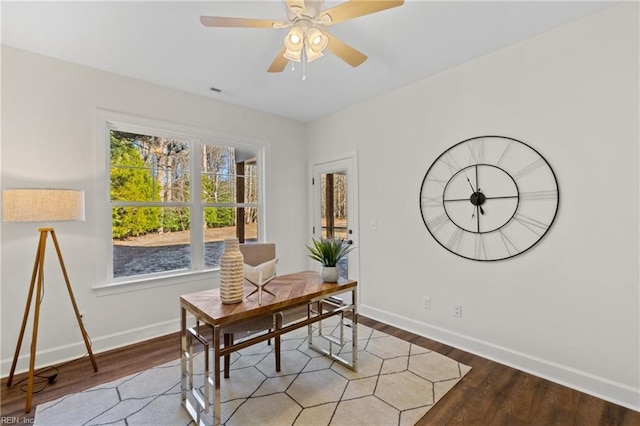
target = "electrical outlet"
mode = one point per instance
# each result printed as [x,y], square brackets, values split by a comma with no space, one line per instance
[426,302]
[457,311]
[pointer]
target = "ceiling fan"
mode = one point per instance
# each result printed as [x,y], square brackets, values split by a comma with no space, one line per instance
[308,36]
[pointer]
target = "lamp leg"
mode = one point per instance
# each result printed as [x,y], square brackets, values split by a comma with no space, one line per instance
[85,336]
[36,265]
[34,336]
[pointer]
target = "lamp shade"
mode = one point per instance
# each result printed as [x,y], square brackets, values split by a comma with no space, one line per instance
[42,205]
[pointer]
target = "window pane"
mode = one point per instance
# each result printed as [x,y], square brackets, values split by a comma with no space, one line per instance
[221,223]
[218,174]
[250,180]
[150,239]
[148,168]
[334,205]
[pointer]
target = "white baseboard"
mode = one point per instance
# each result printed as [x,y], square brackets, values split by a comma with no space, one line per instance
[617,393]
[65,353]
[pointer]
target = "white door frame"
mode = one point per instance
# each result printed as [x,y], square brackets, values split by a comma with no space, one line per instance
[348,163]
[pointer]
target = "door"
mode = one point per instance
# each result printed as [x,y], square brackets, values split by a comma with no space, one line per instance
[335,212]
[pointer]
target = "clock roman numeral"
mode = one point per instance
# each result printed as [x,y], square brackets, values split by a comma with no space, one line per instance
[530,168]
[480,251]
[441,182]
[550,194]
[432,201]
[455,239]
[476,151]
[451,163]
[438,222]
[508,244]
[534,225]
[504,153]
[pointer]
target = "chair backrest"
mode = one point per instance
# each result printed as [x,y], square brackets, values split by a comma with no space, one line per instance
[255,254]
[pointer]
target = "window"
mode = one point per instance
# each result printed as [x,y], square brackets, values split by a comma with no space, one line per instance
[175,198]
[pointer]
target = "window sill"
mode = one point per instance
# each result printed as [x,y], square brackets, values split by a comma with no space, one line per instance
[153,282]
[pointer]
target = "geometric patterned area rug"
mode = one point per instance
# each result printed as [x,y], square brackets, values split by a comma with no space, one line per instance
[396,384]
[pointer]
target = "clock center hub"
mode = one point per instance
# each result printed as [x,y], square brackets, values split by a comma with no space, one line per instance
[477,198]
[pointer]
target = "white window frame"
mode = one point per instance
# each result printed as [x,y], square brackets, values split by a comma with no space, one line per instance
[107,121]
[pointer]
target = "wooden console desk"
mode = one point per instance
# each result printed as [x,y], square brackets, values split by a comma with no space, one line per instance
[291,291]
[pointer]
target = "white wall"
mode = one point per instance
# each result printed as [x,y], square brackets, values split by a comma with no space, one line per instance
[49,139]
[569,308]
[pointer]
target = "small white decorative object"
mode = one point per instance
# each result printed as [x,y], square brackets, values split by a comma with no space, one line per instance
[260,276]
[231,273]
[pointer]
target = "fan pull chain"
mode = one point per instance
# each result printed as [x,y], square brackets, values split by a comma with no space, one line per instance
[304,66]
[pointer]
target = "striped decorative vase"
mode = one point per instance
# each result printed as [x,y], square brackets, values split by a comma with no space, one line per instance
[231,273]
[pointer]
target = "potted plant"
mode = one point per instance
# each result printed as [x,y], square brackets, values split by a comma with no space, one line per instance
[329,251]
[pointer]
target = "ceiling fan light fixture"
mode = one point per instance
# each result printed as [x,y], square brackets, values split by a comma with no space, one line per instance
[317,40]
[308,37]
[312,54]
[315,44]
[293,55]
[293,40]
[294,43]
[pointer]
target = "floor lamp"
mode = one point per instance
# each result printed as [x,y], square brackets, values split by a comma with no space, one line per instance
[43,205]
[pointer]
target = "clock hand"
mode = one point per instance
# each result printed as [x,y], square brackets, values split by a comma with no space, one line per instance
[470,183]
[479,190]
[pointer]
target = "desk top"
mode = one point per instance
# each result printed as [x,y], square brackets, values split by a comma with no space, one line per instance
[291,290]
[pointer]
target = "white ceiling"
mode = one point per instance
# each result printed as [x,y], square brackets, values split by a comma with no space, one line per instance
[164,43]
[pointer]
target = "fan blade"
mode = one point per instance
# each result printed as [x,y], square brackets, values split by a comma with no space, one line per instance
[219,21]
[345,52]
[355,8]
[279,63]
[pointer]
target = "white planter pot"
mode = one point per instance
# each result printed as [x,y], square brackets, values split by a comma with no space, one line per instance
[330,274]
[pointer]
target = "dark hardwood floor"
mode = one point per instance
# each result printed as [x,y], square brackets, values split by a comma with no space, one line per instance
[490,394]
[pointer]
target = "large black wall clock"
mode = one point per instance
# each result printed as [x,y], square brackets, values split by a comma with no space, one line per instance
[489,198]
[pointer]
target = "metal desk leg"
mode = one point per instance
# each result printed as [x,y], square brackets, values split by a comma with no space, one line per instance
[183,356]
[216,374]
[354,330]
[338,309]
[196,402]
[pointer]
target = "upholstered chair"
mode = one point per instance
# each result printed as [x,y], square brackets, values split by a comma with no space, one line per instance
[254,255]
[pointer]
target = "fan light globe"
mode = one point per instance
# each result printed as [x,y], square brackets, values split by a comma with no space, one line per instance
[293,55]
[312,55]
[317,40]
[294,44]
[293,40]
